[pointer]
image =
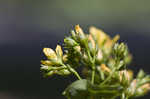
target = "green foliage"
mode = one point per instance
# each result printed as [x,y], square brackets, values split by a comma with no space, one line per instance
[77,90]
[104,63]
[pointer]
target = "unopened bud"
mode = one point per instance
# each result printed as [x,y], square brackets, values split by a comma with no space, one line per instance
[79,30]
[104,68]
[65,58]
[70,42]
[116,38]
[49,53]
[91,40]
[59,51]
[80,33]
[46,62]
[50,73]
[133,87]
[127,74]
[78,48]
[98,35]
[63,72]
[143,89]
[99,55]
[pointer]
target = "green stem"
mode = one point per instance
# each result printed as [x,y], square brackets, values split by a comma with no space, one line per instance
[92,61]
[123,96]
[107,79]
[93,75]
[77,75]
[73,71]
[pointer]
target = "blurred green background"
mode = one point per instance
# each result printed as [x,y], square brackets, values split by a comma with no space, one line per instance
[26,24]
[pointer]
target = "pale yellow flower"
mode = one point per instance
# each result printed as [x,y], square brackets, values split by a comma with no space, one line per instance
[147,86]
[65,57]
[109,43]
[127,73]
[143,89]
[103,39]
[79,30]
[116,38]
[98,35]
[104,68]
[59,50]
[46,62]
[90,38]
[99,55]
[133,86]
[49,53]
[78,48]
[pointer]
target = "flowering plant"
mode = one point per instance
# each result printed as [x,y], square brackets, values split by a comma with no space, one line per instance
[104,66]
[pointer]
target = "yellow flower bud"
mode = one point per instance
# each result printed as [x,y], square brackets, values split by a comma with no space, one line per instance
[143,89]
[85,56]
[49,53]
[109,43]
[59,50]
[79,30]
[81,36]
[104,68]
[147,86]
[133,87]
[63,72]
[99,35]
[78,48]
[92,41]
[65,58]
[128,75]
[46,62]
[116,38]
[99,55]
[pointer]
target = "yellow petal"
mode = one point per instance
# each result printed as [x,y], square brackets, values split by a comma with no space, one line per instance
[46,62]
[108,44]
[146,86]
[65,57]
[127,73]
[130,73]
[59,50]
[99,55]
[105,68]
[78,48]
[94,33]
[99,35]
[92,41]
[49,53]
[116,38]
[133,86]
[79,30]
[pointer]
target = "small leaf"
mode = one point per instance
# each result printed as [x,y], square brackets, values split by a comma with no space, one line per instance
[77,90]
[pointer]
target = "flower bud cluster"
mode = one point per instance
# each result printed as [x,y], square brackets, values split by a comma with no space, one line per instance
[104,63]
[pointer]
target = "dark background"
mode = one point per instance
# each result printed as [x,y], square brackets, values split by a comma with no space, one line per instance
[26,26]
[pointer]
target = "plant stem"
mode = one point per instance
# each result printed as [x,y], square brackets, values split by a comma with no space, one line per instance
[92,60]
[77,75]
[93,75]
[123,96]
[93,68]
[107,79]
[73,71]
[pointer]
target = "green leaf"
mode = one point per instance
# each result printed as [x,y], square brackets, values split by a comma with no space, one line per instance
[77,90]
